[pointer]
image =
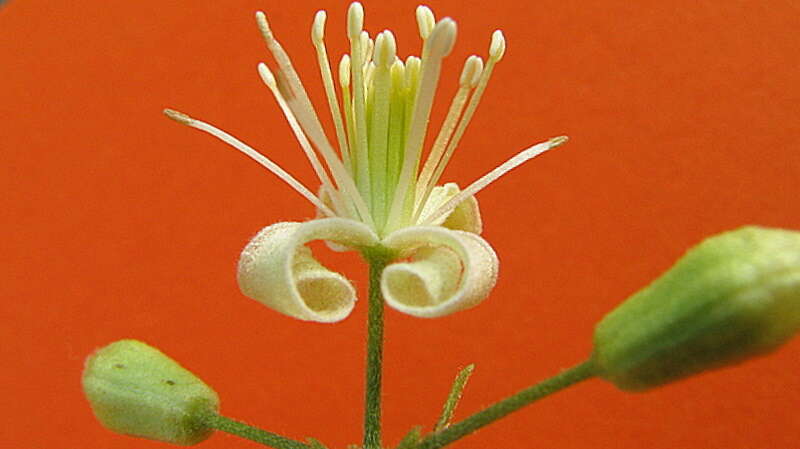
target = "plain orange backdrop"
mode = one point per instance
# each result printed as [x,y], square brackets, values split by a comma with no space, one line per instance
[116,222]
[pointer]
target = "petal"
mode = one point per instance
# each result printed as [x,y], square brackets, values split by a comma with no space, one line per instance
[465,217]
[447,271]
[277,270]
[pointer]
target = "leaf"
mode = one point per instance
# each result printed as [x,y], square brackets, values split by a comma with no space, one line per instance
[411,440]
[315,444]
[452,399]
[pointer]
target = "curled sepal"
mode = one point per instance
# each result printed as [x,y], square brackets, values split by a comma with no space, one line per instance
[277,270]
[732,297]
[465,217]
[444,271]
[136,390]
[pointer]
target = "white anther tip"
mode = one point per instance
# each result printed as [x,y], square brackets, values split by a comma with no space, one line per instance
[425,20]
[498,46]
[443,37]
[344,71]
[179,117]
[355,20]
[318,28]
[385,49]
[557,141]
[471,74]
[266,75]
[261,20]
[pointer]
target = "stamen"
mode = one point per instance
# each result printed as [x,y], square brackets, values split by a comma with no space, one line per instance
[344,82]
[297,99]
[469,76]
[397,129]
[317,36]
[413,69]
[355,24]
[269,80]
[438,45]
[368,44]
[253,154]
[497,48]
[381,92]
[515,161]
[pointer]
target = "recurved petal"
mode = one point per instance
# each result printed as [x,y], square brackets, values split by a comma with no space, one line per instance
[279,271]
[465,217]
[446,271]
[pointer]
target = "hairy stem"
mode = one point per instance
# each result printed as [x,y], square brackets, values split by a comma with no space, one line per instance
[378,260]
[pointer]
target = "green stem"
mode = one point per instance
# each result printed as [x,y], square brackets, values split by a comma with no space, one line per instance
[513,403]
[372,407]
[251,433]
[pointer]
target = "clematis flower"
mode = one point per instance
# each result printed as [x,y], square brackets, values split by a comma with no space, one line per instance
[375,191]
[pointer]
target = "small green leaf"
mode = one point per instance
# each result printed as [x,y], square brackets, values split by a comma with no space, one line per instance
[455,395]
[313,443]
[411,440]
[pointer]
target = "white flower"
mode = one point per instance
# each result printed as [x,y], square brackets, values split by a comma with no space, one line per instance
[373,193]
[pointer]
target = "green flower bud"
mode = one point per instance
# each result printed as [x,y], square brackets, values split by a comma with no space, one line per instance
[135,389]
[734,296]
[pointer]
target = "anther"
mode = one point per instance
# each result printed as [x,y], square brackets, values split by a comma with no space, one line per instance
[425,21]
[355,20]
[385,49]
[266,75]
[179,117]
[443,37]
[318,29]
[471,73]
[497,48]
[344,71]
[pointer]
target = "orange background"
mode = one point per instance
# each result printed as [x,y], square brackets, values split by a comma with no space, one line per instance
[117,222]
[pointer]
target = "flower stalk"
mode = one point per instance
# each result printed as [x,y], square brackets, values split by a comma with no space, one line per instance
[377,258]
[252,433]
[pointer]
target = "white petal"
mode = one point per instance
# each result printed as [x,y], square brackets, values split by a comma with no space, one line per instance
[465,217]
[277,270]
[447,271]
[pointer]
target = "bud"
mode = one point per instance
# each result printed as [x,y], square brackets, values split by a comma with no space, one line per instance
[733,296]
[135,389]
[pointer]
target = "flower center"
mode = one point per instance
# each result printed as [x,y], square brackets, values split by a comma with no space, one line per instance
[376,176]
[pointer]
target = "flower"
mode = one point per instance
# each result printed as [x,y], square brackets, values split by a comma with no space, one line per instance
[373,193]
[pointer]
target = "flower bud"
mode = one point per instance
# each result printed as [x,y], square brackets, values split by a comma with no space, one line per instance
[135,389]
[733,296]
